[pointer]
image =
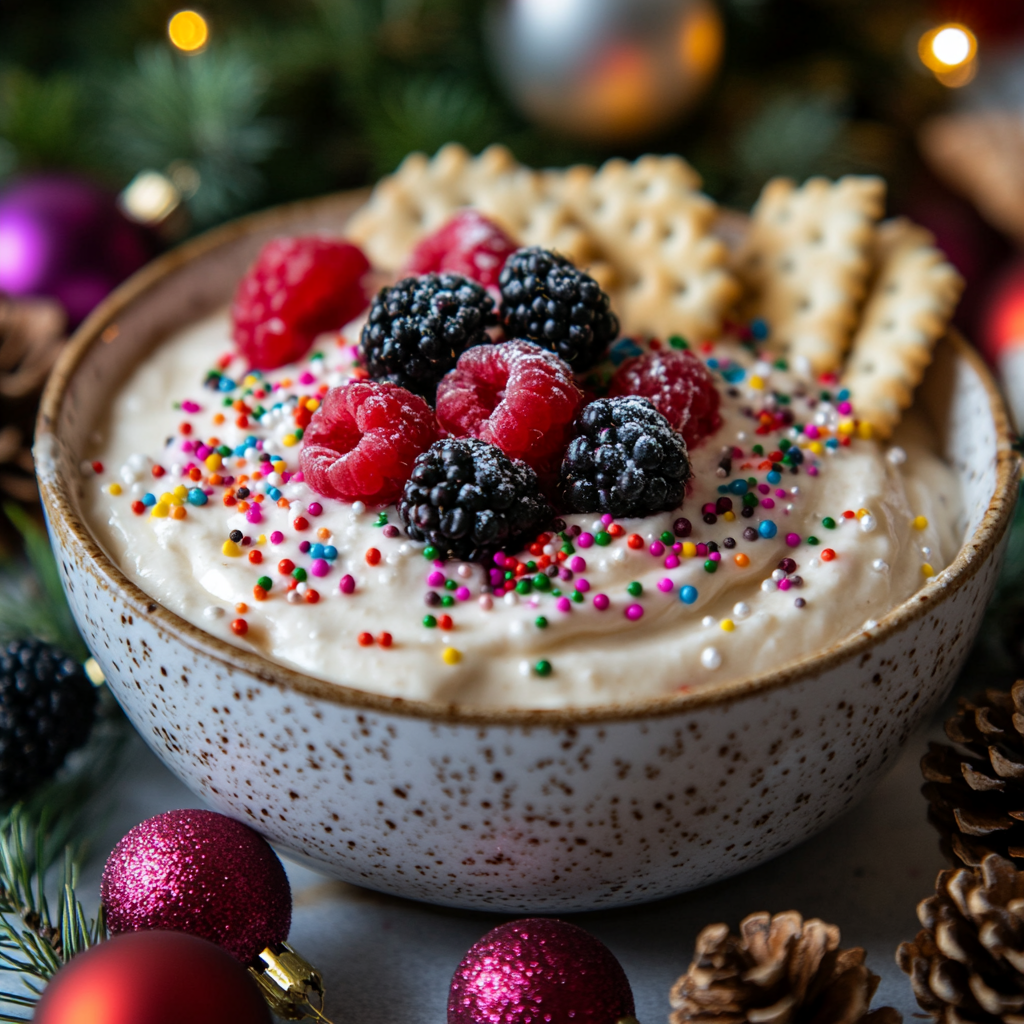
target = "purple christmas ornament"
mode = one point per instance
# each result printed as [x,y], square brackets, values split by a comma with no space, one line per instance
[64,237]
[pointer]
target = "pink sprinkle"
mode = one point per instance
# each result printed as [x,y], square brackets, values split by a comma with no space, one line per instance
[634,612]
[486,602]
[314,508]
[203,450]
[812,431]
[763,488]
[577,564]
[298,477]
[601,602]
[438,564]
[286,476]
[657,549]
[793,539]
[784,584]
[563,604]
[812,470]
[188,446]
[189,406]
[671,562]
[435,579]
[665,585]
[582,586]
[307,378]
[677,548]
[254,515]
[499,560]
[347,585]
[607,519]
[715,556]
[276,537]
[702,549]
[462,593]
[320,567]
[844,408]
[585,540]
[780,492]
[207,491]
[767,503]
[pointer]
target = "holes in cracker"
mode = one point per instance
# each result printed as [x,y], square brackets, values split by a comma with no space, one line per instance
[680,289]
[787,265]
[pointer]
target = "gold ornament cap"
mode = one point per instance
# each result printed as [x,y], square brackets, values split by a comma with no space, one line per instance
[291,985]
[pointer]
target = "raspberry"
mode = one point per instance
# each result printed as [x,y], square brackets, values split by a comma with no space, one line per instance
[679,386]
[297,288]
[517,396]
[469,244]
[363,440]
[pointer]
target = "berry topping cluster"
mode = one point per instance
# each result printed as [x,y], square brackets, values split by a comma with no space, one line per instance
[511,435]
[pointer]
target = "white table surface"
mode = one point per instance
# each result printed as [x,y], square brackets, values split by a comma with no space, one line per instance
[387,959]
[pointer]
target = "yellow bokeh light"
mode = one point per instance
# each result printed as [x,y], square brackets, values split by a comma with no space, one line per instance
[188,31]
[947,47]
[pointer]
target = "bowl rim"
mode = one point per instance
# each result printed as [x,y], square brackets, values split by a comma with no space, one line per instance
[66,523]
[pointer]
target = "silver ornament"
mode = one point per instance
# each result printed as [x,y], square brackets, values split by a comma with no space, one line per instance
[606,70]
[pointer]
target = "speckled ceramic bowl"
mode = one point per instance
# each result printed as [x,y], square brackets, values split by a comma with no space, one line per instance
[514,810]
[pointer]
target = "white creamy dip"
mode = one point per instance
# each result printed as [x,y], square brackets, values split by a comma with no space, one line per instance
[678,625]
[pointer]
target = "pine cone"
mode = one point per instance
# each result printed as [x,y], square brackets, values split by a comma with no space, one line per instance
[975,790]
[778,970]
[967,965]
[31,335]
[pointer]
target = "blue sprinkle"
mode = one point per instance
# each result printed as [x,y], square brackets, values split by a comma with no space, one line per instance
[767,529]
[623,349]
[774,477]
[739,486]
[316,551]
[843,395]
[251,441]
[196,496]
[274,493]
[712,364]
[330,552]
[723,488]
[759,329]
[226,384]
[148,499]
[687,594]
[734,374]
[831,443]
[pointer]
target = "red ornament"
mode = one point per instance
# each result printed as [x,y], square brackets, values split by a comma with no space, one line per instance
[539,971]
[202,873]
[152,978]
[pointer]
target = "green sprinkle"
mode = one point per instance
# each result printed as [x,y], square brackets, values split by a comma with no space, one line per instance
[298,433]
[540,622]
[447,601]
[603,538]
[568,549]
[825,396]
[635,589]
[710,566]
[223,451]
[751,481]
[758,449]
[542,668]
[678,341]
[450,584]
[524,586]
[782,398]
[429,621]
[542,582]
[556,592]
[668,538]
[813,540]
[780,364]
[265,582]
[577,597]
[299,574]
[750,500]
[829,523]
[531,566]
[509,574]
[430,552]
[382,519]
[228,402]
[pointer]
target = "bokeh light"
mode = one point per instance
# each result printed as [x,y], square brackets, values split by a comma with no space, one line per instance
[949,52]
[188,31]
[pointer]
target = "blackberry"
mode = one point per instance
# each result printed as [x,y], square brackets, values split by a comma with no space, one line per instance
[625,460]
[46,711]
[418,328]
[546,299]
[469,499]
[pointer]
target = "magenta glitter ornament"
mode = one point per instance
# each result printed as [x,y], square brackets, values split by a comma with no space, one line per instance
[202,873]
[539,971]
